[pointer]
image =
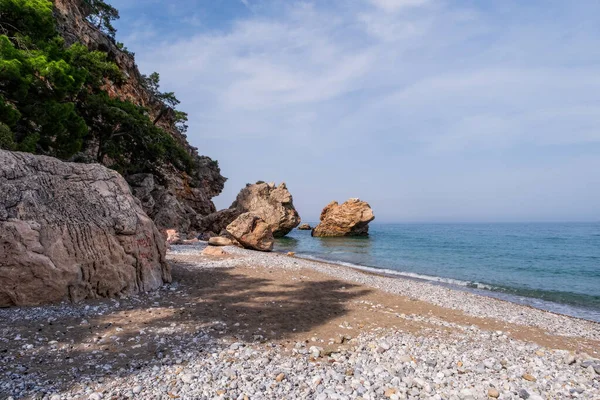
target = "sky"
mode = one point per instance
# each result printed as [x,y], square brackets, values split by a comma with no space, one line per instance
[429,110]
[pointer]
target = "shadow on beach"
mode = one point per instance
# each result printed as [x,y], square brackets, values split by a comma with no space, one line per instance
[200,304]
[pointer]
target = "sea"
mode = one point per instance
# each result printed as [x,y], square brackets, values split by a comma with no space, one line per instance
[550,266]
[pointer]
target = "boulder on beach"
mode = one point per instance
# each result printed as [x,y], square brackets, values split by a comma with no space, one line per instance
[219,241]
[213,224]
[273,204]
[304,227]
[252,232]
[71,232]
[214,252]
[348,219]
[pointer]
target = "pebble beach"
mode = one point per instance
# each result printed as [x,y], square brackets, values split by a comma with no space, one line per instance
[254,325]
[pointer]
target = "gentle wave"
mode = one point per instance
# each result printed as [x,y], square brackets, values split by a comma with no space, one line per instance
[479,288]
[412,275]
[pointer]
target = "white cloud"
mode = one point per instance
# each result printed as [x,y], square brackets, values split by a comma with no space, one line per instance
[427,74]
[383,80]
[395,5]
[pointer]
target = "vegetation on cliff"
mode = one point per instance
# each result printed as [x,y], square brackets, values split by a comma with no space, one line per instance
[53,97]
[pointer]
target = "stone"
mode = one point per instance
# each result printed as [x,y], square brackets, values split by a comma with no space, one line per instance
[405,359]
[348,219]
[315,351]
[137,389]
[214,252]
[72,231]
[305,227]
[216,222]
[389,392]
[291,254]
[529,377]
[524,394]
[273,204]
[569,359]
[493,393]
[252,232]
[187,378]
[219,241]
[280,377]
[173,237]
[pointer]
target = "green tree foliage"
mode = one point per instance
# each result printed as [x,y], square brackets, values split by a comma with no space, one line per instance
[52,99]
[152,83]
[101,15]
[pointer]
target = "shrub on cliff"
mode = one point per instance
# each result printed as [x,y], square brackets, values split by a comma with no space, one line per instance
[52,99]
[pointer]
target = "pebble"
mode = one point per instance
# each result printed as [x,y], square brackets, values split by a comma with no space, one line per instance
[493,393]
[529,377]
[187,378]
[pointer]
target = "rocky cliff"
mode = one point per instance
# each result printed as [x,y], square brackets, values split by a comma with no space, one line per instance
[171,197]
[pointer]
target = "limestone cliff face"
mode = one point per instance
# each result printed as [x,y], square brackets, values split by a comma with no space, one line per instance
[174,199]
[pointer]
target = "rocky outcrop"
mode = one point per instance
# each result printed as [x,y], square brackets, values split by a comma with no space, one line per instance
[348,219]
[252,232]
[171,197]
[72,231]
[305,227]
[216,222]
[274,204]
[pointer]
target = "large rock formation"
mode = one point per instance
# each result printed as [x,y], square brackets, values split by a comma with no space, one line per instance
[252,232]
[216,222]
[171,197]
[72,231]
[349,219]
[274,204]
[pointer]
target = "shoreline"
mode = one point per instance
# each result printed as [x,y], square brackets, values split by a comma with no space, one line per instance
[254,325]
[473,304]
[440,281]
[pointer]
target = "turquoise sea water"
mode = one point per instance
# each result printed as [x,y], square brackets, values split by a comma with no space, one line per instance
[552,266]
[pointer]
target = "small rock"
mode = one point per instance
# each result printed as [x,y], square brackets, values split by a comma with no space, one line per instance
[137,389]
[529,377]
[390,391]
[493,393]
[405,359]
[315,351]
[187,378]
[524,394]
[280,377]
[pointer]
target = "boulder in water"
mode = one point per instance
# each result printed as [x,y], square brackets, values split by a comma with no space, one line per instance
[348,219]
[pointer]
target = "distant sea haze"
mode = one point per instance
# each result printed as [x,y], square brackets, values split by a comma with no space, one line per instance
[552,266]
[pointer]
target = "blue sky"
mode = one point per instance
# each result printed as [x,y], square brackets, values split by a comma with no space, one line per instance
[430,110]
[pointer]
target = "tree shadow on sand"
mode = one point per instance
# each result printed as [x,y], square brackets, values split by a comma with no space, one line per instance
[142,331]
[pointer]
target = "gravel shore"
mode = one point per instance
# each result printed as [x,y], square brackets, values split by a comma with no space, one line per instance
[197,339]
